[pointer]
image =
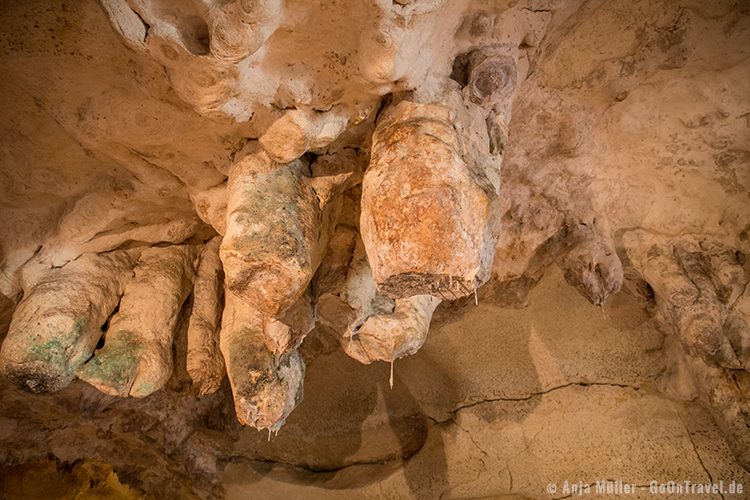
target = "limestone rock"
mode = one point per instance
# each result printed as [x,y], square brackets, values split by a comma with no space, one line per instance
[56,326]
[621,129]
[239,28]
[425,222]
[205,364]
[136,359]
[297,132]
[276,233]
[698,287]
[287,332]
[368,325]
[390,336]
[211,206]
[266,387]
[588,255]
[492,76]
[729,406]
[684,278]
[332,272]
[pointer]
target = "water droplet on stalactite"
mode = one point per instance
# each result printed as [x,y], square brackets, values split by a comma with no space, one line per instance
[390,381]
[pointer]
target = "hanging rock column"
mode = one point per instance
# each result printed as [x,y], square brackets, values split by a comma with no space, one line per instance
[56,326]
[266,386]
[136,359]
[205,364]
[275,236]
[425,221]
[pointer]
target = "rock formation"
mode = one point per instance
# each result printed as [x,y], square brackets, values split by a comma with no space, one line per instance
[259,170]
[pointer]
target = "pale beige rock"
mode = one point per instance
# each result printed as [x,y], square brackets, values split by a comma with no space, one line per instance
[360,291]
[425,222]
[369,326]
[105,220]
[266,387]
[727,403]
[298,131]
[331,274]
[341,277]
[390,336]
[243,60]
[56,326]
[238,28]
[136,359]
[587,254]
[276,233]
[287,332]
[387,442]
[492,77]
[178,36]
[697,286]
[684,284]
[205,365]
[211,207]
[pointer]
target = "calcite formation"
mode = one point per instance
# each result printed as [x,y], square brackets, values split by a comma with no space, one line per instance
[136,358]
[58,323]
[425,221]
[266,386]
[697,288]
[205,364]
[258,170]
[587,253]
[275,235]
[389,336]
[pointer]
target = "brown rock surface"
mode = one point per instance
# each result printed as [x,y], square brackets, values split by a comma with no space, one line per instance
[425,222]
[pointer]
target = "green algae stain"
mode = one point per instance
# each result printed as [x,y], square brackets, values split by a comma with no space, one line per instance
[116,364]
[51,352]
[56,349]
